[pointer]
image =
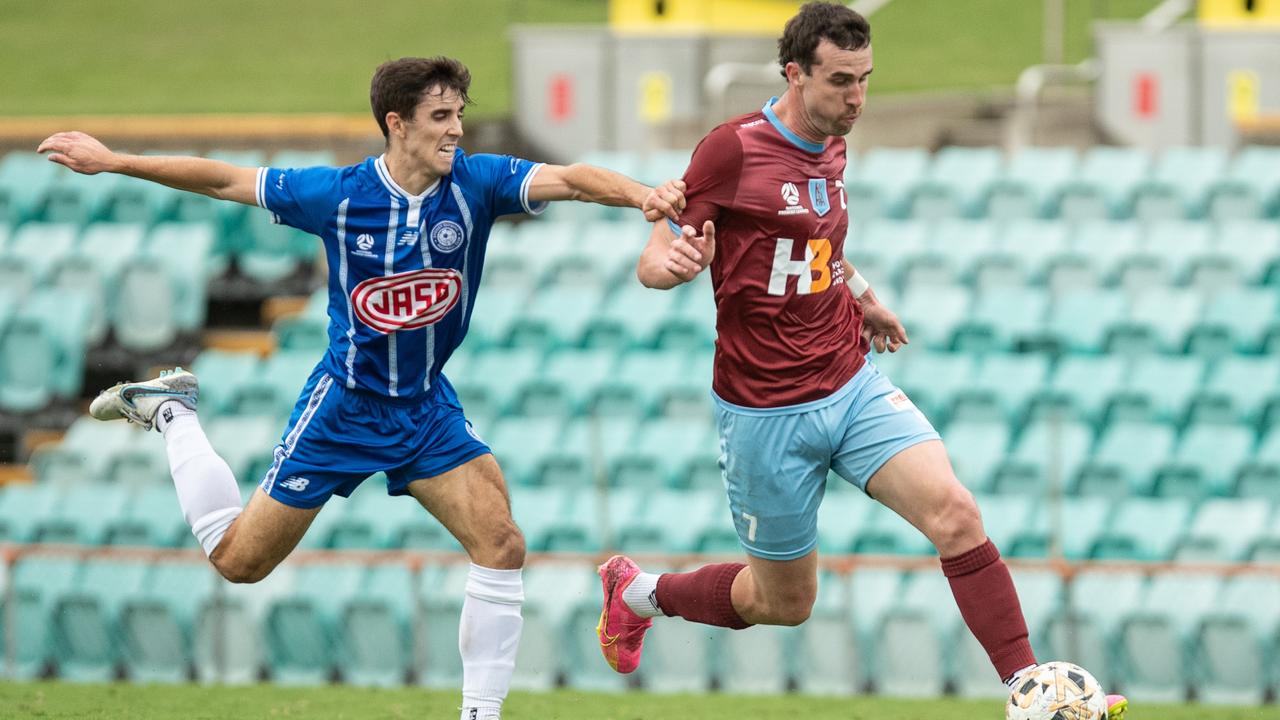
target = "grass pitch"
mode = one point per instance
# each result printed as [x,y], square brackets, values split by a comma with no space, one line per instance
[189,702]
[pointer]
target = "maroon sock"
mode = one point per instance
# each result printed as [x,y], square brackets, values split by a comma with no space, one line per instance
[989,604]
[702,596]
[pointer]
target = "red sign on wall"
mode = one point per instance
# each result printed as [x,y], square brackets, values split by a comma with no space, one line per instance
[560,97]
[1146,96]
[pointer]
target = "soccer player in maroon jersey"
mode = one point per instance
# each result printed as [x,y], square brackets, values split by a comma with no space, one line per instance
[795,395]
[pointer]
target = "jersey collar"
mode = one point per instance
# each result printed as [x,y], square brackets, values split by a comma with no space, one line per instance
[380,165]
[791,137]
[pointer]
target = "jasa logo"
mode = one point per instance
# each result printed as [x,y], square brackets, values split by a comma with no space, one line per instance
[408,300]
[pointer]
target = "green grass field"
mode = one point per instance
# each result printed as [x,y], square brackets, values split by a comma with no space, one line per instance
[184,56]
[111,702]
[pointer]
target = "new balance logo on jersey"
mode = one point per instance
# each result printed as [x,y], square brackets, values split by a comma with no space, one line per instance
[295,483]
[406,301]
[408,237]
[817,259]
[791,196]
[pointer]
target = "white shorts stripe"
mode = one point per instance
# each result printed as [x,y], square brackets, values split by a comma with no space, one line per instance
[285,449]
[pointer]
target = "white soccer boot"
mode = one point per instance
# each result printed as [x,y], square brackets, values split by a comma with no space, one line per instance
[137,402]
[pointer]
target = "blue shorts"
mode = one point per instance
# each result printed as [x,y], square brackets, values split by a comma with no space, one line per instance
[337,437]
[775,461]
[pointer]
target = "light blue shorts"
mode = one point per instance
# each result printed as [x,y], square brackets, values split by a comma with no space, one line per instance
[775,461]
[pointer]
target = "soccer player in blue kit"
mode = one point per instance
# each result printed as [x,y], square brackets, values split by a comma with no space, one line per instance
[404,235]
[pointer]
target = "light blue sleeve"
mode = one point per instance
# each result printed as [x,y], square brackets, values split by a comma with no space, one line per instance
[299,197]
[507,179]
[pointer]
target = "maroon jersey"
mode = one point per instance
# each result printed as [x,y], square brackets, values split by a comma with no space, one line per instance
[789,330]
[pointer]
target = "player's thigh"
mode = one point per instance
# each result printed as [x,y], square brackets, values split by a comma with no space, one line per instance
[472,502]
[775,471]
[919,484]
[261,537]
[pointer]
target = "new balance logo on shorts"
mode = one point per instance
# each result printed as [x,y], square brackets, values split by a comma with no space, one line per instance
[295,483]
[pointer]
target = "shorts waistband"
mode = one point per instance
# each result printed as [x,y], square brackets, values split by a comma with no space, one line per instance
[853,383]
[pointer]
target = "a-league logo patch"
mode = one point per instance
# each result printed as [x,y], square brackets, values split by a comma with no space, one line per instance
[447,236]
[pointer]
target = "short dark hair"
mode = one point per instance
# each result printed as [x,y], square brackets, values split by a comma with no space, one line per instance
[398,85]
[845,28]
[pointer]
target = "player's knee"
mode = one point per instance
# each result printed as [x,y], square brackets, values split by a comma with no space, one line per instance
[506,549]
[793,606]
[957,523]
[794,613]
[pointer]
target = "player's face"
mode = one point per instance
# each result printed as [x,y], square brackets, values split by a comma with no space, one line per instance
[836,87]
[431,136]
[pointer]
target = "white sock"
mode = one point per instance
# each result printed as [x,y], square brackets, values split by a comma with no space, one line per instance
[1013,679]
[207,489]
[642,595]
[488,638]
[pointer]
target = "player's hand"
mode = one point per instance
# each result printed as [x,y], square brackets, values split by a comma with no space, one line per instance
[664,201]
[882,328]
[78,151]
[691,253]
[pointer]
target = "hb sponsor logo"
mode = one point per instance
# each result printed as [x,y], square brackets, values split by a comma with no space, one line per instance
[406,301]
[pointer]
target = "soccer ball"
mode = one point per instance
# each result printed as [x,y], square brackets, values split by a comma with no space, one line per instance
[1057,691]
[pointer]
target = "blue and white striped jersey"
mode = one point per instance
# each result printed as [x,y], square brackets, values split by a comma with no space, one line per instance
[403,269]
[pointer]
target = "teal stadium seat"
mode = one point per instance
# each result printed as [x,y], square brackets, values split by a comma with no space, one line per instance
[156,623]
[82,514]
[1104,185]
[1047,450]
[25,179]
[1167,254]
[1258,168]
[557,316]
[977,448]
[1155,640]
[495,312]
[1144,529]
[187,249]
[301,628]
[1002,318]
[246,442]
[932,314]
[1207,461]
[680,657]
[1095,255]
[956,183]
[587,451]
[35,585]
[1002,388]
[1025,249]
[840,518]
[1235,639]
[275,387]
[145,314]
[1239,319]
[22,508]
[1005,517]
[913,638]
[86,617]
[669,452]
[307,330]
[228,645]
[222,374]
[1224,530]
[1095,604]
[1081,387]
[1073,526]
[440,592]
[564,385]
[884,179]
[29,258]
[1179,183]
[521,445]
[885,532]
[1157,320]
[1029,183]
[153,517]
[829,656]
[374,629]
[1128,455]
[74,198]
[93,267]
[933,380]
[561,601]
[1157,387]
[632,316]
[1261,476]
[1253,246]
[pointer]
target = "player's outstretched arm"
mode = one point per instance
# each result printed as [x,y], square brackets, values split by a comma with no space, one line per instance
[670,260]
[86,155]
[588,183]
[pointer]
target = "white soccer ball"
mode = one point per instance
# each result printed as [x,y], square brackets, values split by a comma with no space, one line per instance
[1057,691]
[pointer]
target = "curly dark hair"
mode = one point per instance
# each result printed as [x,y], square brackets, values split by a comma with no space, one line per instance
[398,85]
[845,28]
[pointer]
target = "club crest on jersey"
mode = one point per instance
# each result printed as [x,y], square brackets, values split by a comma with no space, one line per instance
[447,236]
[791,196]
[406,301]
[818,196]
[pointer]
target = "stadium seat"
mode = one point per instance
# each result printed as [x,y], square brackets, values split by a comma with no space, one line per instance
[440,593]
[830,659]
[632,316]
[1072,526]
[1102,187]
[1126,459]
[1207,461]
[1003,387]
[87,452]
[1002,318]
[1096,602]
[1144,529]
[976,449]
[931,314]
[228,637]
[933,379]
[553,644]
[1064,330]
[1237,389]
[521,445]
[94,267]
[680,657]
[82,514]
[35,250]
[1048,452]
[760,662]
[587,452]
[1179,181]
[86,619]
[1157,387]
[307,330]
[274,387]
[1234,640]
[146,313]
[301,628]
[1224,530]
[373,630]
[1155,639]
[156,623]
[956,183]
[883,180]
[153,517]
[1081,387]
[35,585]
[557,316]
[25,179]
[913,637]
[23,507]
[684,519]
[1029,182]
[1029,246]
[187,251]
[1260,477]
[1157,320]
[637,386]
[28,356]
[1256,167]
[1004,517]
[563,386]
[885,532]
[474,379]
[222,373]
[246,442]
[669,452]
[1237,319]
